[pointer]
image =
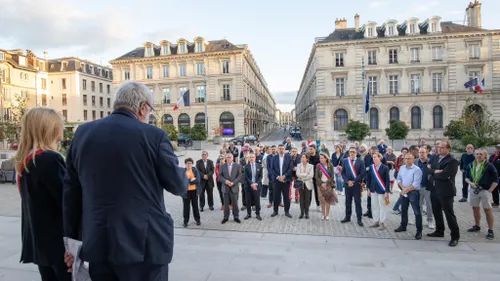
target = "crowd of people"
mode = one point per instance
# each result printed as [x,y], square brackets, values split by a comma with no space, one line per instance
[108,190]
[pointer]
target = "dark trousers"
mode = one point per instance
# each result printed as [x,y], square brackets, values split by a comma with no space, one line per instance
[369,204]
[129,272]
[281,189]
[444,204]
[305,200]
[315,187]
[232,198]
[465,186]
[496,195]
[353,193]
[205,188]
[263,191]
[191,198]
[221,195]
[412,199]
[252,196]
[57,272]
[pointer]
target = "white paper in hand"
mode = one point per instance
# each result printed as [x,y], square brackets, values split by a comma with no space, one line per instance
[80,271]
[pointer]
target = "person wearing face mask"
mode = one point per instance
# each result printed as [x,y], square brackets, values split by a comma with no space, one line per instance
[466,159]
[117,170]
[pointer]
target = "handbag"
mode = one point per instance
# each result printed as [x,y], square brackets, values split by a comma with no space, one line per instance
[298,184]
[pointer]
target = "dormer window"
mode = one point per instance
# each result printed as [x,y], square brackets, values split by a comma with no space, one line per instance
[182,48]
[371,30]
[391,28]
[165,50]
[2,56]
[149,51]
[434,24]
[412,27]
[199,47]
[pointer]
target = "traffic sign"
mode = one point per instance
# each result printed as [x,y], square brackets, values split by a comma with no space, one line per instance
[246,123]
[315,126]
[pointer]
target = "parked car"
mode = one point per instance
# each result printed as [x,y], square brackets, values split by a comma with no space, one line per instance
[184,140]
[296,134]
[239,140]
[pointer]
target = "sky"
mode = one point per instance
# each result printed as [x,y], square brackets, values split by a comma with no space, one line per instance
[279,33]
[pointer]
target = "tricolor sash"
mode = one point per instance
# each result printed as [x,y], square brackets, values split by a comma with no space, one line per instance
[324,170]
[378,178]
[28,159]
[351,167]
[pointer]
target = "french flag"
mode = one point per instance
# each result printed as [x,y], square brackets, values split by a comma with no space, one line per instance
[183,100]
[480,88]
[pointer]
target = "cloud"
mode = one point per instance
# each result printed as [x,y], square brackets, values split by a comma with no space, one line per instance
[425,7]
[456,12]
[285,97]
[377,4]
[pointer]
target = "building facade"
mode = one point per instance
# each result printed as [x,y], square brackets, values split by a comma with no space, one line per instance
[286,119]
[226,75]
[413,71]
[80,90]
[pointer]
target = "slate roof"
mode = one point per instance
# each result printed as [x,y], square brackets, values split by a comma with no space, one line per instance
[349,34]
[73,64]
[212,46]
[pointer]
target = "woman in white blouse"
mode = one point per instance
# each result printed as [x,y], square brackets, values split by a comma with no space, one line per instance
[305,174]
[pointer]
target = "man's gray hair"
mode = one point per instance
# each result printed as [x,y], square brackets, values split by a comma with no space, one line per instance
[130,95]
[483,151]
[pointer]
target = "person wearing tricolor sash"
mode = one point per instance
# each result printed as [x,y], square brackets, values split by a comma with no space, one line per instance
[353,174]
[378,183]
[326,183]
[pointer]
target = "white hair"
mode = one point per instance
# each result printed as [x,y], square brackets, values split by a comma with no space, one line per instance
[130,95]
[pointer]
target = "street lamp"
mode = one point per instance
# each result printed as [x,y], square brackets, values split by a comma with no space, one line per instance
[205,100]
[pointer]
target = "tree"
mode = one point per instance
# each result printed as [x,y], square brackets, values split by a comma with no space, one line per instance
[357,131]
[11,126]
[171,131]
[198,132]
[475,126]
[398,130]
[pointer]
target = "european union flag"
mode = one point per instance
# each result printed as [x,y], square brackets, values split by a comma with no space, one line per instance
[367,102]
[471,83]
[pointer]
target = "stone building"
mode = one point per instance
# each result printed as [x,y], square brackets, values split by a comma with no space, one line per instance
[237,98]
[414,71]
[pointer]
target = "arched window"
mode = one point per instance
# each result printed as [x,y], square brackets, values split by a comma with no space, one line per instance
[167,119]
[184,122]
[152,120]
[340,118]
[394,113]
[416,118]
[226,121]
[199,118]
[373,118]
[437,117]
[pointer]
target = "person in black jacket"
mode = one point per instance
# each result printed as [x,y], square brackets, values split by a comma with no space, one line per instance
[483,179]
[41,190]
[466,159]
[206,169]
[495,160]
[443,170]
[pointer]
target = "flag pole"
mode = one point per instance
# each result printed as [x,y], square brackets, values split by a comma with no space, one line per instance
[364,93]
[206,97]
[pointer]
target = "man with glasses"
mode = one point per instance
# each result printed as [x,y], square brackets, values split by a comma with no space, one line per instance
[353,173]
[443,168]
[206,168]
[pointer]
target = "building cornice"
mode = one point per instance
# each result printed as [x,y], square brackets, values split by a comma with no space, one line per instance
[189,56]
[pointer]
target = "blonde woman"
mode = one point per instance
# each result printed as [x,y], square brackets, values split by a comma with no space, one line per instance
[40,169]
[325,181]
[305,175]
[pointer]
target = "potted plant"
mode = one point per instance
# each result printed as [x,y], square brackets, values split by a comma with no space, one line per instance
[357,131]
[218,135]
[397,132]
[172,133]
[198,135]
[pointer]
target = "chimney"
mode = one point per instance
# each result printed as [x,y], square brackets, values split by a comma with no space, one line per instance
[45,55]
[340,23]
[473,12]
[356,21]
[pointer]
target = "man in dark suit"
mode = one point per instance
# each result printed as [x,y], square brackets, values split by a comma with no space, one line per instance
[253,185]
[206,168]
[443,170]
[353,173]
[282,168]
[117,169]
[231,176]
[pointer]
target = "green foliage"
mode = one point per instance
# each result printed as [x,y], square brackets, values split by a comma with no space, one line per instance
[185,130]
[357,131]
[398,130]
[172,132]
[11,128]
[198,133]
[474,127]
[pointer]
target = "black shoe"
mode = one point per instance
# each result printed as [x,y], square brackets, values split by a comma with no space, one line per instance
[307,216]
[360,223]
[296,201]
[185,224]
[201,209]
[345,220]
[224,221]
[418,236]
[475,228]
[435,234]
[288,215]
[490,235]
[301,216]
[247,217]
[453,243]
[237,220]
[368,214]
[274,214]
[259,217]
[198,223]
[462,200]
[400,229]
[211,208]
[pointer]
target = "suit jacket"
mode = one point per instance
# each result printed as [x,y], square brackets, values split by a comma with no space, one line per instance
[117,169]
[347,175]
[372,183]
[209,171]
[236,177]
[269,163]
[295,162]
[248,176]
[306,175]
[196,181]
[287,167]
[318,174]
[443,184]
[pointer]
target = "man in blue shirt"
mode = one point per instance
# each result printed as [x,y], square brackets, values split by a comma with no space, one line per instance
[409,180]
[466,159]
